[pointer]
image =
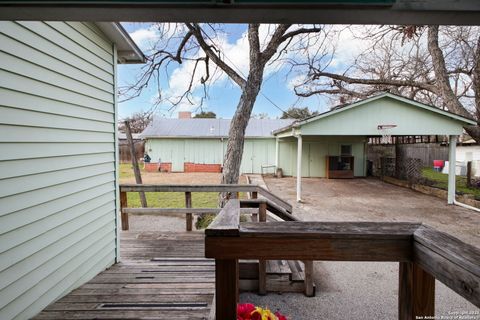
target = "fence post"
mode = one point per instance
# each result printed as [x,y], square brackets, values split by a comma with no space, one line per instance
[416,293]
[226,289]
[124,204]
[189,216]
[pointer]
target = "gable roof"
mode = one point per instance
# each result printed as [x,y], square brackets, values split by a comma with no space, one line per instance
[210,128]
[336,110]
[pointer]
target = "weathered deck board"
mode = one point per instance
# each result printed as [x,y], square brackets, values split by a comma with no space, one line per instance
[162,276]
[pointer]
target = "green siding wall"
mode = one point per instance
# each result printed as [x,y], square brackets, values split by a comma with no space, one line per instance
[364,119]
[257,152]
[57,161]
[314,152]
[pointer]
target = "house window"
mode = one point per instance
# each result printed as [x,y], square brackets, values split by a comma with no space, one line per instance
[346,150]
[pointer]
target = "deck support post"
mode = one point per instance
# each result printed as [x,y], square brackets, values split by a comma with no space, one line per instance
[189,216]
[262,264]
[416,292]
[226,289]
[309,289]
[299,168]
[452,149]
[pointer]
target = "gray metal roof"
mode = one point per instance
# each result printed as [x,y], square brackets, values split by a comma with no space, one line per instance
[206,128]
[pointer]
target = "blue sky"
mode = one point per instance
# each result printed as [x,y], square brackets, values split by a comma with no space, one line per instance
[223,94]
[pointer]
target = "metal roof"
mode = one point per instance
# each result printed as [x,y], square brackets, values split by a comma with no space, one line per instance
[210,128]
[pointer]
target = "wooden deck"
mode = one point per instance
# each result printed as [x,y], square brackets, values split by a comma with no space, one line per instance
[162,276]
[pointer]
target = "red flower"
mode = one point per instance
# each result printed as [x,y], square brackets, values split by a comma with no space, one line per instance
[280,316]
[244,311]
[256,315]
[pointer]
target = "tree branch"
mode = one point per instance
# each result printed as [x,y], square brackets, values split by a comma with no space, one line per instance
[387,82]
[441,74]
[197,33]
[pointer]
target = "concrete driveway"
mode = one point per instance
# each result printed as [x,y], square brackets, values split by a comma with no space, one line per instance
[366,290]
[373,200]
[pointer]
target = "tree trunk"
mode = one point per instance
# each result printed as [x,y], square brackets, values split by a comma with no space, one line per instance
[234,152]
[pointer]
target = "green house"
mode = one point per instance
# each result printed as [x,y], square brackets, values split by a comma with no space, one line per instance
[180,143]
[58,176]
[334,143]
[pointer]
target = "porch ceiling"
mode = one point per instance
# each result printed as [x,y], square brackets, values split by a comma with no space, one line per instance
[459,12]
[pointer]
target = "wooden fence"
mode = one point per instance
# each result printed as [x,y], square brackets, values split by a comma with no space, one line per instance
[426,152]
[424,254]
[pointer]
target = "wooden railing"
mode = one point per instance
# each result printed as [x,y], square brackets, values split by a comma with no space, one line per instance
[275,204]
[424,254]
[255,206]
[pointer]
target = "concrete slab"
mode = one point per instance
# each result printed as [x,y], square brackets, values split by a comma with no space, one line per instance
[374,200]
[366,290]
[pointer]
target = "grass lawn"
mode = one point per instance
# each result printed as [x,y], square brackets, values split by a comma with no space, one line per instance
[126,171]
[174,199]
[440,180]
[166,199]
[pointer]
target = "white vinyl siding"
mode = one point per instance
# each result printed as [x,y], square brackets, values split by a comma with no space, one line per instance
[57,161]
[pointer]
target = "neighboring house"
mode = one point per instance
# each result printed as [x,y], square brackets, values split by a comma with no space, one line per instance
[58,179]
[198,144]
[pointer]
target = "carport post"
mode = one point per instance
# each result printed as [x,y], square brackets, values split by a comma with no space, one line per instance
[451,168]
[276,153]
[299,168]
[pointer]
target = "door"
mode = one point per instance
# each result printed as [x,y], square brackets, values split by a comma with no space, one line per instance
[247,158]
[317,159]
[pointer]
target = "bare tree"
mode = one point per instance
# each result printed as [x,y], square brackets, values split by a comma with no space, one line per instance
[432,64]
[138,121]
[195,42]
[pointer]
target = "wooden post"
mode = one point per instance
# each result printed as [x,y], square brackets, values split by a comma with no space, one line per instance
[226,289]
[262,211]
[189,216]
[124,204]
[262,264]
[309,291]
[254,195]
[416,293]
[469,174]
[136,170]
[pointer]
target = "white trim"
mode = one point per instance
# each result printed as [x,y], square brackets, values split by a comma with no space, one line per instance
[277,152]
[117,160]
[127,50]
[452,140]
[299,168]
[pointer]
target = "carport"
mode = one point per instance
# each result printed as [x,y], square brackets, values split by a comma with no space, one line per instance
[341,134]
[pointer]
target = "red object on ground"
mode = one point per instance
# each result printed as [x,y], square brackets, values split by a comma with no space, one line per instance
[438,163]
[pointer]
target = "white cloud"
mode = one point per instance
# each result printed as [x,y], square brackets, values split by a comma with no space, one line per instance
[145,37]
